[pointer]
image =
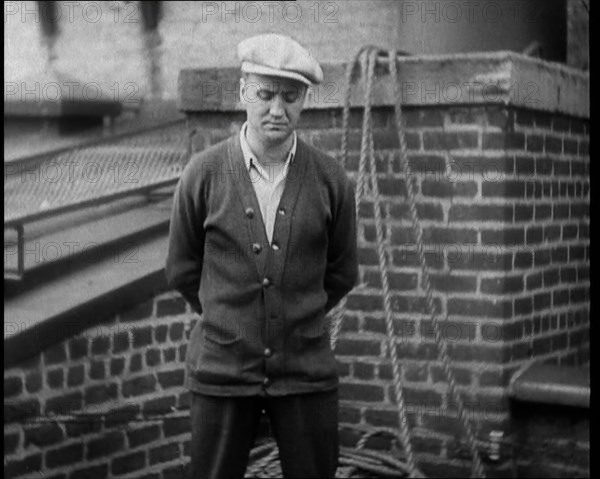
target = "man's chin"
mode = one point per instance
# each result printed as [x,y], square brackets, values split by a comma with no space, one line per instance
[276,135]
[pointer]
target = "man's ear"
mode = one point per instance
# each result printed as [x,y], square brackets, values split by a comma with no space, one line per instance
[305,94]
[242,90]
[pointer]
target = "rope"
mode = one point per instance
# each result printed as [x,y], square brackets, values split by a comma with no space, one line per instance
[351,69]
[368,56]
[353,462]
[368,151]
[381,250]
[477,467]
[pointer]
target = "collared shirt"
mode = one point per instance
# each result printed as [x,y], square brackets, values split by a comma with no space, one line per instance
[268,183]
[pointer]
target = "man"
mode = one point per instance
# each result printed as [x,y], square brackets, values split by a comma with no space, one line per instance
[263,246]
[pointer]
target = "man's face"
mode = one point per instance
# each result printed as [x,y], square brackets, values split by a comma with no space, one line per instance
[273,106]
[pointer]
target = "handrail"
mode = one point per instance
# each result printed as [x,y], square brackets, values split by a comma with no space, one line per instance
[94,201]
[157,164]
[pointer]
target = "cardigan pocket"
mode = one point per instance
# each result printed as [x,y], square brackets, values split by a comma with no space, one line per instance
[213,359]
[220,338]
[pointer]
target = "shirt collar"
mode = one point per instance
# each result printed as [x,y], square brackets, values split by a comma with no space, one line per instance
[250,158]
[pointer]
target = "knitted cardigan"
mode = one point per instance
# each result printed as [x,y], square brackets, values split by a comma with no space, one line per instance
[262,328]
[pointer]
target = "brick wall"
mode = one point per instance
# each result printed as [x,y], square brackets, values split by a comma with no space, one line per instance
[108,402]
[503,196]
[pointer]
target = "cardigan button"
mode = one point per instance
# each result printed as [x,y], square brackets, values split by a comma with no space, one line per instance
[275,247]
[266,382]
[250,212]
[281,211]
[268,353]
[256,247]
[266,282]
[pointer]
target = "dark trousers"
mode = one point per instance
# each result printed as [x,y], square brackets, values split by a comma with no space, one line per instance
[305,427]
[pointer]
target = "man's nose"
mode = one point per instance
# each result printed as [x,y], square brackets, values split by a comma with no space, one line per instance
[277,106]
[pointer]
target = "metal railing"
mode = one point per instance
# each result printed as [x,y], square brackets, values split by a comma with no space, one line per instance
[41,187]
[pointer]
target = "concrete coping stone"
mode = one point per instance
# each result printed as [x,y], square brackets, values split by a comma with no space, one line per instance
[502,77]
[551,384]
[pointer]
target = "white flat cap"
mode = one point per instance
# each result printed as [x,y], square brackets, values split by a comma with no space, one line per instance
[280,56]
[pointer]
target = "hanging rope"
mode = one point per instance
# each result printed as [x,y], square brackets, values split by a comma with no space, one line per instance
[477,467]
[389,321]
[350,78]
[367,151]
[368,55]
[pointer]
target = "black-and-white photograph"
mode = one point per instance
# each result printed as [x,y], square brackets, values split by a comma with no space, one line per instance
[296,239]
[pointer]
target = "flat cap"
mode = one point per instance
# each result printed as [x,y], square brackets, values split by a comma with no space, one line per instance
[280,56]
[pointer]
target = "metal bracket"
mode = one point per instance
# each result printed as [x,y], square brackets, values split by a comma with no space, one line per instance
[20,272]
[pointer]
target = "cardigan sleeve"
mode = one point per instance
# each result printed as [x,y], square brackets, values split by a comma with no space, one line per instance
[342,255]
[186,241]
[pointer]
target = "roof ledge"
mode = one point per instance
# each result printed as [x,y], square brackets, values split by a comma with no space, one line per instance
[78,291]
[502,77]
[551,384]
